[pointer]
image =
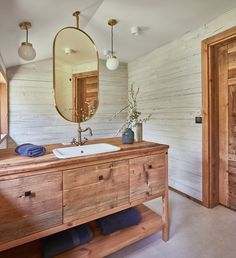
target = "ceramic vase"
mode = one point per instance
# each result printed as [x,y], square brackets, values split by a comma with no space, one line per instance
[128,136]
[139,132]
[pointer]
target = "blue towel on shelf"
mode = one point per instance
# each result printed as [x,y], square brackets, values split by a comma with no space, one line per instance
[119,220]
[30,150]
[65,240]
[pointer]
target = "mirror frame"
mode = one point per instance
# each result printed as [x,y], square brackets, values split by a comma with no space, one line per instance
[54,73]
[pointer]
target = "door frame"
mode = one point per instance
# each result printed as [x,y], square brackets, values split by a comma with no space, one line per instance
[210,142]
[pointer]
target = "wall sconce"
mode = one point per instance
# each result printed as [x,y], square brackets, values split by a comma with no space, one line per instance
[112,61]
[26,50]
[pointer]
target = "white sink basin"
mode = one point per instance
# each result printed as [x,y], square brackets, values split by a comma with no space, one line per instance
[79,151]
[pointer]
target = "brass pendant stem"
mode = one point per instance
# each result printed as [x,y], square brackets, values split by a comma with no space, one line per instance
[25,26]
[76,14]
[112,22]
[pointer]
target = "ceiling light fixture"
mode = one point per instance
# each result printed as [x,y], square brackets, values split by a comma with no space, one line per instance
[26,50]
[112,61]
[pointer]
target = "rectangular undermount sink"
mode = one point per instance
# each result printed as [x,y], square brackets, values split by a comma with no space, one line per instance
[79,151]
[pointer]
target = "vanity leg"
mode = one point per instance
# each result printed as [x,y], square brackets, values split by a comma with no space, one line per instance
[165,217]
[165,205]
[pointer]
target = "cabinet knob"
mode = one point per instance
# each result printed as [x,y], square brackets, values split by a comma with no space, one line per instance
[26,194]
[100,177]
[150,166]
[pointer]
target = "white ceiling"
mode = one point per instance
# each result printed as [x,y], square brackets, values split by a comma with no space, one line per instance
[162,21]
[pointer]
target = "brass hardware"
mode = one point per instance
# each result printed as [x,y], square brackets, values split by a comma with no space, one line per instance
[112,22]
[80,142]
[25,25]
[26,44]
[61,109]
[76,14]
[100,177]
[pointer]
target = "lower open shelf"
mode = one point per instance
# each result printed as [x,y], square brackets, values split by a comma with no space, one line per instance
[100,245]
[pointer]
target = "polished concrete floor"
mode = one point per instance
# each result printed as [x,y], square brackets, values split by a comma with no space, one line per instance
[195,232]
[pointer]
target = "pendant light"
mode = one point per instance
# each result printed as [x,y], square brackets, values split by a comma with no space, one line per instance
[112,61]
[26,50]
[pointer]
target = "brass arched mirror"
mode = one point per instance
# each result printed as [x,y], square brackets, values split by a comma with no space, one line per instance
[75,74]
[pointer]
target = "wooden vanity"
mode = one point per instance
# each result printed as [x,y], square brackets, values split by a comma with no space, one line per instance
[44,195]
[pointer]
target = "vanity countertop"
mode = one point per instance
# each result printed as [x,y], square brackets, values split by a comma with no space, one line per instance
[12,164]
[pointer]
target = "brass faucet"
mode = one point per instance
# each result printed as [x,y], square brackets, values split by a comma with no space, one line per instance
[80,131]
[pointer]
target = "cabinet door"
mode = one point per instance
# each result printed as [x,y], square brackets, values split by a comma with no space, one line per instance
[147,176]
[29,205]
[94,189]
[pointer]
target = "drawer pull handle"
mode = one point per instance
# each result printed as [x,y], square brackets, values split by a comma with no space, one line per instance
[100,177]
[26,194]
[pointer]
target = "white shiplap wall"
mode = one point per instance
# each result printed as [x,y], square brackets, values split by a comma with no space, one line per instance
[169,79]
[33,117]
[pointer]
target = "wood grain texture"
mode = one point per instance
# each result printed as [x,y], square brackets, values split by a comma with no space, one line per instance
[223,123]
[102,246]
[93,187]
[13,165]
[147,176]
[230,176]
[33,117]
[218,64]
[21,216]
[106,187]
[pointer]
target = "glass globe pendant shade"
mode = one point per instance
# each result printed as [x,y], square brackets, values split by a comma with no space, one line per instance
[26,51]
[112,63]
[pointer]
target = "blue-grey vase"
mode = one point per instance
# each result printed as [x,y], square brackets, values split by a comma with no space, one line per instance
[128,136]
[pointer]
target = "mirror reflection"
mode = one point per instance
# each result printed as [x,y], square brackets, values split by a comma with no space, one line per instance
[76,75]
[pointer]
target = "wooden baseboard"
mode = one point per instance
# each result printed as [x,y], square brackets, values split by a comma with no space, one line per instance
[185,195]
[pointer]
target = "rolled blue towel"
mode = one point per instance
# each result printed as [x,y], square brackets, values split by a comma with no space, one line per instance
[65,240]
[30,150]
[117,221]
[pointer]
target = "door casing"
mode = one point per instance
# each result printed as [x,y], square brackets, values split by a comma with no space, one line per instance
[210,130]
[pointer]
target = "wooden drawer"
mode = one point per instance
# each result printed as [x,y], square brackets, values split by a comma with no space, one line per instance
[21,216]
[94,189]
[147,176]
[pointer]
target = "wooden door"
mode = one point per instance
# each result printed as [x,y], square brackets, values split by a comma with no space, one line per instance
[147,176]
[94,189]
[227,124]
[85,95]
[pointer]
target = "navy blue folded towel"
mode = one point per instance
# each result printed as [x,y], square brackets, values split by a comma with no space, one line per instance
[30,150]
[117,221]
[65,240]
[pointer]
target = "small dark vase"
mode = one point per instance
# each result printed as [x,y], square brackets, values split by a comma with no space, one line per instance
[128,136]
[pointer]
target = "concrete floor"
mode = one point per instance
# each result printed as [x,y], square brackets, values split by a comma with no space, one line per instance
[195,232]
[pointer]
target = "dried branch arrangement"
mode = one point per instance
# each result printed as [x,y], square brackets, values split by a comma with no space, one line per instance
[134,116]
